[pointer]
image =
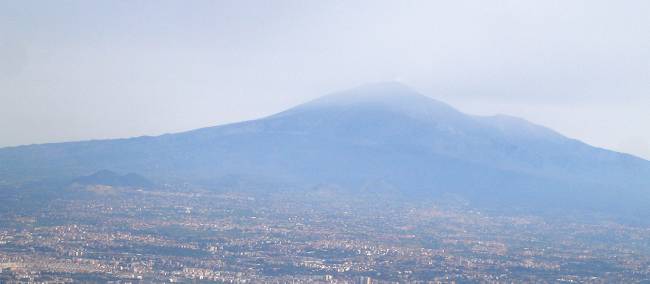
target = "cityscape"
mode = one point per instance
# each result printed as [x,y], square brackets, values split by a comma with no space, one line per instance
[122,235]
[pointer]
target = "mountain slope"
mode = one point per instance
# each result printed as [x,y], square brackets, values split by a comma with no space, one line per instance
[375,133]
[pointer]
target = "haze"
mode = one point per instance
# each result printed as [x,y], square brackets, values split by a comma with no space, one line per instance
[75,70]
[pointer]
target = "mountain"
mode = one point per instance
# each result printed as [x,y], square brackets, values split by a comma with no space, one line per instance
[378,133]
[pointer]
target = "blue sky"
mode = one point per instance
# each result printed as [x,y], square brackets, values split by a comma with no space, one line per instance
[75,70]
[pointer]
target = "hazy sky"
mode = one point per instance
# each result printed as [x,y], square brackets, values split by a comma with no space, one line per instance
[72,70]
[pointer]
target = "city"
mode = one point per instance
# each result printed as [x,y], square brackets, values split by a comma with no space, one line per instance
[124,235]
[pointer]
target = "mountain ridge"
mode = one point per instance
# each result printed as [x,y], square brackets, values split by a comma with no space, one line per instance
[301,106]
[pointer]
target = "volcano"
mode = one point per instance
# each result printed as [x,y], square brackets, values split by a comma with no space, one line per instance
[383,133]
